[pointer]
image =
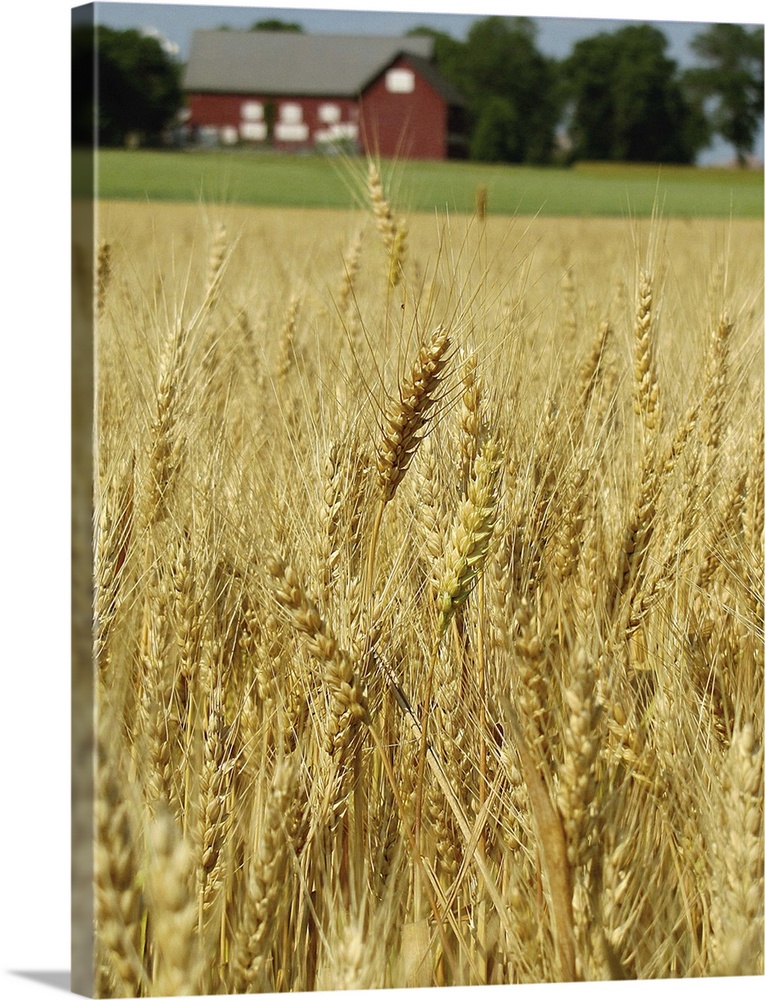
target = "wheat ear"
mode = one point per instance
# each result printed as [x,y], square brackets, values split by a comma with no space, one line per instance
[394,232]
[214,807]
[577,790]
[103,274]
[470,418]
[646,386]
[738,905]
[119,900]
[218,249]
[715,380]
[553,851]
[474,524]
[114,532]
[177,965]
[589,375]
[287,340]
[166,437]
[636,536]
[406,417]
[280,833]
[462,567]
[404,426]
[348,707]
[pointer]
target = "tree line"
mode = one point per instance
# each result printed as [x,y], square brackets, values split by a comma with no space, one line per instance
[617,96]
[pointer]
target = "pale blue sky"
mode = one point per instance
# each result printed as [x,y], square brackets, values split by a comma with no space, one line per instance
[556,34]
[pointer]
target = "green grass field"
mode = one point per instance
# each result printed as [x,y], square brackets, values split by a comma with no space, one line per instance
[315,181]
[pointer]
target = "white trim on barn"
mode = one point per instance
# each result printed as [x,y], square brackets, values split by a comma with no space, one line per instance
[291,132]
[337,133]
[290,113]
[252,111]
[399,81]
[253,131]
[329,114]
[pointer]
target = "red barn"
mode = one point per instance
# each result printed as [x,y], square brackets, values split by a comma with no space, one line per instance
[378,94]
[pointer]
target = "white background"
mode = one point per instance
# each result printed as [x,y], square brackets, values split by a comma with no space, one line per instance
[34,278]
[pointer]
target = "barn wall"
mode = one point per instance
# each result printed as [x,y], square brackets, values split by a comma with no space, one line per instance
[301,129]
[409,124]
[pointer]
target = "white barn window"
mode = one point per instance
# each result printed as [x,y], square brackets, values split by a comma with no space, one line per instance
[252,111]
[329,113]
[253,131]
[336,133]
[399,81]
[290,114]
[291,132]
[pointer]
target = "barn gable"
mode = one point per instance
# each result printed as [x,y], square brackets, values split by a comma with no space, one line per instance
[408,107]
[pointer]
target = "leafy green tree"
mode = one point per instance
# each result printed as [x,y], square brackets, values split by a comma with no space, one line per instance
[137,89]
[589,73]
[502,61]
[507,83]
[448,54]
[628,101]
[274,24]
[498,135]
[731,81]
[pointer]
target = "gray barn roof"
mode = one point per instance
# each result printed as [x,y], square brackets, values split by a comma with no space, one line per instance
[278,62]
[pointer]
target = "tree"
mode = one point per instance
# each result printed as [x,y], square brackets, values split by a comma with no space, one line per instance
[498,135]
[589,74]
[628,102]
[731,81]
[448,54]
[502,61]
[137,88]
[274,24]
[508,85]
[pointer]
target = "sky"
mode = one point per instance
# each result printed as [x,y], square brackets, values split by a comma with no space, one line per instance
[556,35]
[563,23]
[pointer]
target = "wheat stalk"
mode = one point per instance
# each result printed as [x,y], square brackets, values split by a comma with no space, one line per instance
[406,417]
[178,960]
[646,386]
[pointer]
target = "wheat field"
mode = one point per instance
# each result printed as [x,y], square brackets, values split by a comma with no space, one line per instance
[429,605]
